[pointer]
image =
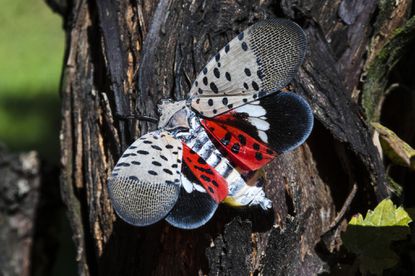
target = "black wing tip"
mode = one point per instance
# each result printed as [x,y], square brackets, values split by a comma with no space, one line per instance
[192,210]
[291,119]
[181,224]
[306,126]
[307,129]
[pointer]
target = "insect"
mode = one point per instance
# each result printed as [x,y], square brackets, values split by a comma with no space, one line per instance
[208,148]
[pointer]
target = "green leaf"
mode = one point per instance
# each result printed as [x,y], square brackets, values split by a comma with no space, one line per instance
[397,150]
[370,238]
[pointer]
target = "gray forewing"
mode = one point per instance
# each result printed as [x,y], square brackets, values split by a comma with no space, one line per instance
[145,183]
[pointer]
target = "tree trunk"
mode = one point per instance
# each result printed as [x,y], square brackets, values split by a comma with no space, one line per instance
[123,56]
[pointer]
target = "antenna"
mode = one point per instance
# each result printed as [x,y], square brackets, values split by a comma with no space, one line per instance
[137,117]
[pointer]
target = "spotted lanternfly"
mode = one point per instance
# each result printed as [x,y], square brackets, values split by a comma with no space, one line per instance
[237,118]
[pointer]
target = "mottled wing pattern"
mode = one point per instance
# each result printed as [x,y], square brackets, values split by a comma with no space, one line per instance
[259,61]
[253,134]
[145,183]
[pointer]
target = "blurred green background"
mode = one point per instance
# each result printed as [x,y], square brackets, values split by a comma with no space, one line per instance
[31,58]
[31,55]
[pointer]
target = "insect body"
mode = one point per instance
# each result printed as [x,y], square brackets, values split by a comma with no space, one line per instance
[207,148]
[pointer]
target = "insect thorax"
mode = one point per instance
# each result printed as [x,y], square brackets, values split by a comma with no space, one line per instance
[173,114]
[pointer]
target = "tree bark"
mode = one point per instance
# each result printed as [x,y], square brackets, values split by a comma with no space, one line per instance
[123,56]
[19,197]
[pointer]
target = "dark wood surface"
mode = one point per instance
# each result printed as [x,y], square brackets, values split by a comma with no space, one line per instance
[19,202]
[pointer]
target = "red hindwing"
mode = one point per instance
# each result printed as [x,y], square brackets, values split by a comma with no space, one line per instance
[214,183]
[241,148]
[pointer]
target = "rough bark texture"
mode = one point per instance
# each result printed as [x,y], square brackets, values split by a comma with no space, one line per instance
[125,56]
[19,197]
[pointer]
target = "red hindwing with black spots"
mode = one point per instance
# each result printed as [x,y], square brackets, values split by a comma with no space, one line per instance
[240,147]
[214,183]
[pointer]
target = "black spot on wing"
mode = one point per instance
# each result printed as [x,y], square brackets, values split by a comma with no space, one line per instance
[258,156]
[152,172]
[123,164]
[144,152]
[168,171]
[242,139]
[216,72]
[155,163]
[247,72]
[128,154]
[201,160]
[214,87]
[217,57]
[226,139]
[205,178]
[208,171]
[228,76]
[244,46]
[156,147]
[235,148]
